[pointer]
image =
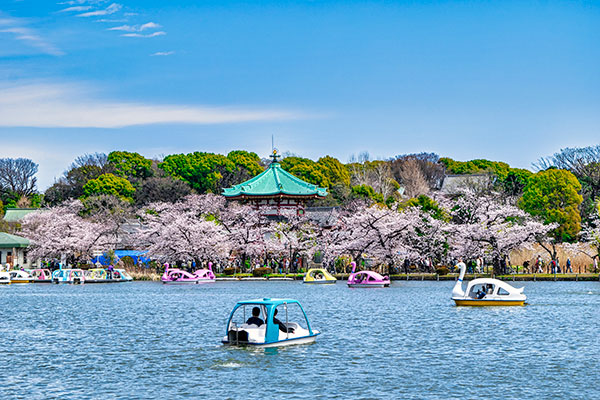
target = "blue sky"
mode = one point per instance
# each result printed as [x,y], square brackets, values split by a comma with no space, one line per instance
[510,81]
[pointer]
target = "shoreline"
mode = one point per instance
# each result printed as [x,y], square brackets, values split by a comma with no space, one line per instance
[153,276]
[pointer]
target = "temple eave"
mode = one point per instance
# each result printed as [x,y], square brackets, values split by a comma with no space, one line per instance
[273,196]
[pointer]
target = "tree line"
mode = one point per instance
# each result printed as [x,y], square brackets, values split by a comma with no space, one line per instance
[564,191]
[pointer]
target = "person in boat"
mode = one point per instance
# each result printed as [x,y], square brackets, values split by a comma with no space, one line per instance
[110,271]
[254,319]
[282,326]
[481,293]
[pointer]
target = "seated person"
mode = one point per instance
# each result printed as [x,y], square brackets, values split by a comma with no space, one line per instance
[282,326]
[481,293]
[254,320]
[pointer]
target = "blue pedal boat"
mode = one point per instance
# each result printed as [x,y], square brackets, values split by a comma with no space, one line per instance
[268,323]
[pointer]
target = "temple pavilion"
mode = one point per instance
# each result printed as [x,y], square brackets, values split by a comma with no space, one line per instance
[275,192]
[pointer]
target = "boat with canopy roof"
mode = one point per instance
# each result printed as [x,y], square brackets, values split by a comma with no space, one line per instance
[41,275]
[319,276]
[20,276]
[367,279]
[486,292]
[256,323]
[205,275]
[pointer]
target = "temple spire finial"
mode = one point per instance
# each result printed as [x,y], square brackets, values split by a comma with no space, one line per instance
[275,155]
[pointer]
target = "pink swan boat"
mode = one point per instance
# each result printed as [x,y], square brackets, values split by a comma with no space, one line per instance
[367,279]
[205,275]
[175,276]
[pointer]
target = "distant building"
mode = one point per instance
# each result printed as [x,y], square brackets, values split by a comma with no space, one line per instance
[16,214]
[454,183]
[275,192]
[13,250]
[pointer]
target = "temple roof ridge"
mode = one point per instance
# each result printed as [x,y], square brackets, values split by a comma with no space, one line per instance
[274,181]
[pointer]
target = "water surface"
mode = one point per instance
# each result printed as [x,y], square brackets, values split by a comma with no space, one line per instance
[152,341]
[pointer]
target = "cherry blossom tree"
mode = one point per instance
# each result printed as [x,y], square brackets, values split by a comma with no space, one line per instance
[293,236]
[188,229]
[60,231]
[246,230]
[373,230]
[485,225]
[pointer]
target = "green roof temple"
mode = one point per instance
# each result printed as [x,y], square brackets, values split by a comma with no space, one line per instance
[274,182]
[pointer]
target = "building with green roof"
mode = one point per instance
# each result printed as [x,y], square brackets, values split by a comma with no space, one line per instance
[17,214]
[275,191]
[13,249]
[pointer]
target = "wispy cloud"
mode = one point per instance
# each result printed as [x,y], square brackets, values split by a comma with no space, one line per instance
[67,106]
[111,9]
[23,33]
[141,35]
[163,53]
[135,28]
[76,9]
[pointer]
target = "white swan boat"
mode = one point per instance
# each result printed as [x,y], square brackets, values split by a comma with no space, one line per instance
[19,276]
[4,278]
[486,292]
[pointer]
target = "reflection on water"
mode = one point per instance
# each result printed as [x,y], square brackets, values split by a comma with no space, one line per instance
[147,340]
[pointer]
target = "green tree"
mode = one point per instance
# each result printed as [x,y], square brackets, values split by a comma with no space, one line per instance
[554,196]
[307,170]
[110,184]
[426,204]
[130,165]
[204,172]
[367,192]
[246,160]
[334,170]
[1,208]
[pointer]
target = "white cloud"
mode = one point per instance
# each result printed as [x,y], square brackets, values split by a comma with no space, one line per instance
[17,28]
[113,8]
[64,106]
[135,28]
[76,8]
[141,35]
[163,53]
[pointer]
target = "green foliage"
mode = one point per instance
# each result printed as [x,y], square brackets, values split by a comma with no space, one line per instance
[109,184]
[128,261]
[367,192]
[327,172]
[553,195]
[442,271]
[247,161]
[229,271]
[511,180]
[307,170]
[203,171]
[262,271]
[36,200]
[500,169]
[1,208]
[427,204]
[334,170]
[515,181]
[128,164]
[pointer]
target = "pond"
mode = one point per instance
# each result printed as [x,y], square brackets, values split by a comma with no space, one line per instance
[409,341]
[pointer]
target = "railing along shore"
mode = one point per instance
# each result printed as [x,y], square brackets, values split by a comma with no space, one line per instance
[153,276]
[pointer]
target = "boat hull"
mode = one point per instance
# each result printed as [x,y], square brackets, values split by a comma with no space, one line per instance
[320,282]
[488,303]
[281,343]
[368,285]
[18,280]
[180,282]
